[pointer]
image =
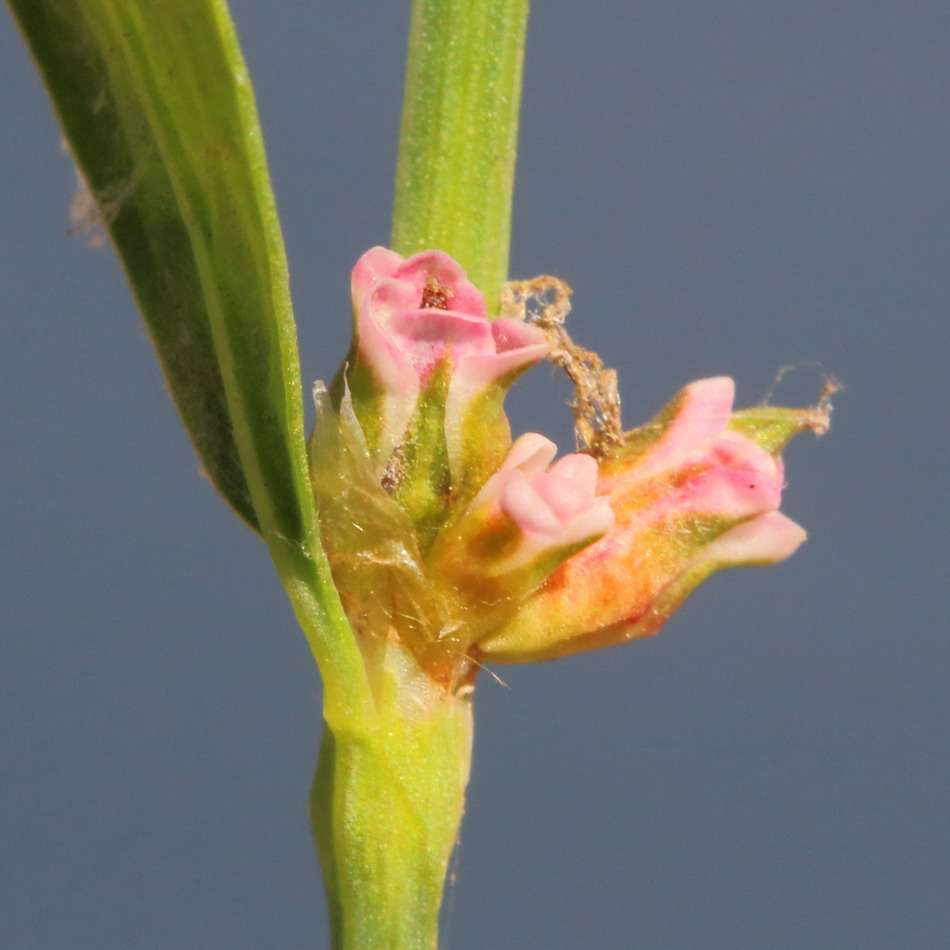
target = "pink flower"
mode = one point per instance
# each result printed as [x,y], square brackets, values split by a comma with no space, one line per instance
[528,517]
[419,324]
[691,492]
[552,506]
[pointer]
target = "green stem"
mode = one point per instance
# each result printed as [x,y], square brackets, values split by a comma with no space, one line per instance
[390,784]
[458,140]
[386,805]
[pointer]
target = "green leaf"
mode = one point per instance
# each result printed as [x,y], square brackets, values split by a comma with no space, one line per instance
[158,109]
[459,135]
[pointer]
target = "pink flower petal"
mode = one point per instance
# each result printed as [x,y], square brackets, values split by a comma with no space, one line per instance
[427,337]
[704,414]
[530,452]
[375,265]
[742,480]
[568,487]
[552,505]
[463,297]
[768,539]
[515,335]
[519,500]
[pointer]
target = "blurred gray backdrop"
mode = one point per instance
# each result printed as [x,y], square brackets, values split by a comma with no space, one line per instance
[729,187]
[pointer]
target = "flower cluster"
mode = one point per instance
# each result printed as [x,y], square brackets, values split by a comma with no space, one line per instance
[445,535]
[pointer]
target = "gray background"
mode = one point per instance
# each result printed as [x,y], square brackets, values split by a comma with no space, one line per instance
[729,187]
